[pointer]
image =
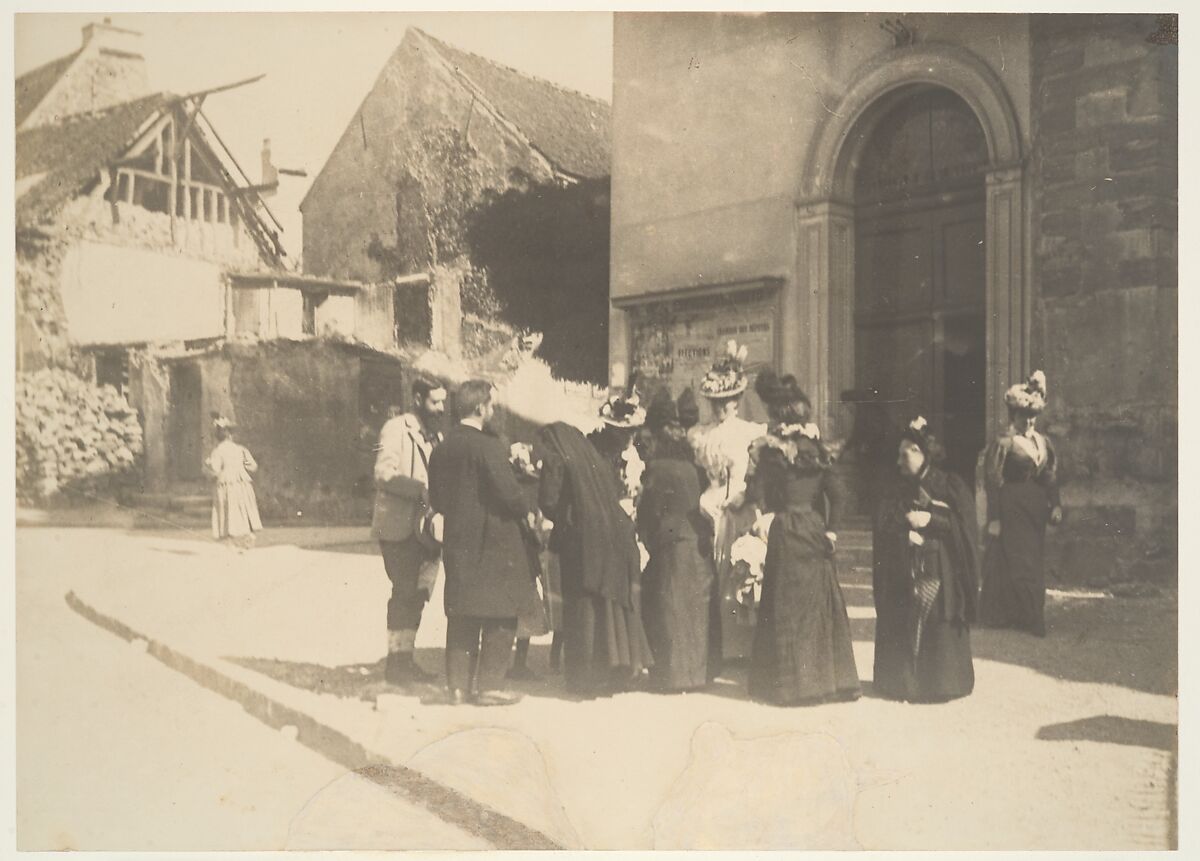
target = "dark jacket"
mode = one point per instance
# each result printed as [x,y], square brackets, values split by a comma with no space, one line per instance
[595,539]
[474,487]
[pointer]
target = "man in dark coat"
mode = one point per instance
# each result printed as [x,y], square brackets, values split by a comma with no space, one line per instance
[488,579]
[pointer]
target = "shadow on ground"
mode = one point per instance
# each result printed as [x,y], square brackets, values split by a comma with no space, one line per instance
[1115,730]
[1127,641]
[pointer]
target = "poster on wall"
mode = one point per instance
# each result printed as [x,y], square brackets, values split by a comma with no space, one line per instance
[675,345]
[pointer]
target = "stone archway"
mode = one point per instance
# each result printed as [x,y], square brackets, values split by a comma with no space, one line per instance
[819,335]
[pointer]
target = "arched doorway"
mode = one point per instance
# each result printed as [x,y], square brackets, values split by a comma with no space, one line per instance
[819,323]
[920,298]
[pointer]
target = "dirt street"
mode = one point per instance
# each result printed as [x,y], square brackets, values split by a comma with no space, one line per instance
[1067,742]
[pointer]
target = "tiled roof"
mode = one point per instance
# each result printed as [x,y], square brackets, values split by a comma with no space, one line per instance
[34,85]
[72,152]
[572,130]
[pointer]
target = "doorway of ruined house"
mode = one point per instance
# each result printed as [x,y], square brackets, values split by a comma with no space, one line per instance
[920,293]
[185,423]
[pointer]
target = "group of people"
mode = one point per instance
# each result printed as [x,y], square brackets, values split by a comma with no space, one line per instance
[658,548]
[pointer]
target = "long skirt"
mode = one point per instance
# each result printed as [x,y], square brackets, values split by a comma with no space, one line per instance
[234,510]
[677,587]
[1014,577]
[940,671]
[920,656]
[534,621]
[605,646]
[552,595]
[803,650]
[733,633]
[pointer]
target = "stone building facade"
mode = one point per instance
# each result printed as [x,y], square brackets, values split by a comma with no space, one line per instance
[910,215]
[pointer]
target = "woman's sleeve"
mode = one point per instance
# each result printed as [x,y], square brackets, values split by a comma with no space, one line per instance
[993,477]
[1049,474]
[550,488]
[248,460]
[941,519]
[647,516]
[834,498]
[754,488]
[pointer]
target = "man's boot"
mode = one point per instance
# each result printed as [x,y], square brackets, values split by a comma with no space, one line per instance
[401,668]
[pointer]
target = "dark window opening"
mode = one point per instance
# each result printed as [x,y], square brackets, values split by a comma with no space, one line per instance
[112,369]
[309,323]
[413,314]
[152,195]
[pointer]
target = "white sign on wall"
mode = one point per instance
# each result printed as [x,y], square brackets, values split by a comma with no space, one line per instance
[119,295]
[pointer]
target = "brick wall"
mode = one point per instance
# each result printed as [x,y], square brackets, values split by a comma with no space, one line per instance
[1104,171]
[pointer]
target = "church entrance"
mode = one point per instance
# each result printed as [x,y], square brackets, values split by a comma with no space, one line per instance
[920,336]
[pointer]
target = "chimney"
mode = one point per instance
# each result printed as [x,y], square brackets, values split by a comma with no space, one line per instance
[116,40]
[270,176]
[109,70]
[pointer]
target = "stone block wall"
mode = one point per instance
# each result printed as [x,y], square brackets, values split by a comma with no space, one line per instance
[99,78]
[416,157]
[1104,192]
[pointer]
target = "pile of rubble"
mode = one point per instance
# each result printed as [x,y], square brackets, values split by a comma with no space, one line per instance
[71,434]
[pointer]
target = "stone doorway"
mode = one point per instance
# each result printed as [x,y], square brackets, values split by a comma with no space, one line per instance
[185,423]
[920,298]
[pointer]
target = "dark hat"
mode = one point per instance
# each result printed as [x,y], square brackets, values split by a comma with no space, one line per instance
[688,409]
[662,409]
[775,390]
[623,411]
[921,435]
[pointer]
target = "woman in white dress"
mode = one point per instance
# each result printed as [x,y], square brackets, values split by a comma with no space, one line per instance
[235,509]
[722,450]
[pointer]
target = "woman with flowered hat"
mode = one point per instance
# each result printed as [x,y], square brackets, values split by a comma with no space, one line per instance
[803,652]
[925,576]
[722,450]
[622,416]
[1020,475]
[677,582]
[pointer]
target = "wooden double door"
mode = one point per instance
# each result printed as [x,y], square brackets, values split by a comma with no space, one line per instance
[920,336]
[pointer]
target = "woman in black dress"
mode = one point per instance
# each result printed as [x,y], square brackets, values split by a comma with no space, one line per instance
[677,582]
[926,576]
[802,647]
[1021,477]
[605,646]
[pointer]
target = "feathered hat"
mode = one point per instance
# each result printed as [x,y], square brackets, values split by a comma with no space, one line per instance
[774,389]
[220,422]
[1029,395]
[727,378]
[921,434]
[624,410]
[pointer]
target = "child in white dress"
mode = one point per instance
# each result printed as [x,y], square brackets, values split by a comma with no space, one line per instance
[235,509]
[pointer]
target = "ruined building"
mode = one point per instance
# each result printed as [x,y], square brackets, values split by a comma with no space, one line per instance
[440,137]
